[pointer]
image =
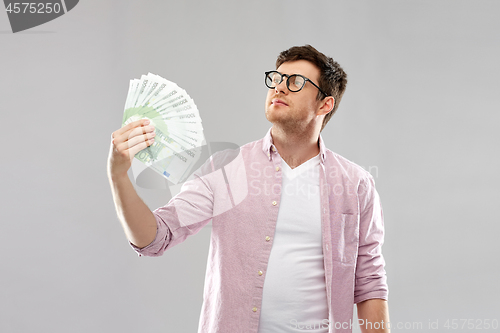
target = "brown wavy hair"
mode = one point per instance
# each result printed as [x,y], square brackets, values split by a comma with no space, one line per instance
[332,79]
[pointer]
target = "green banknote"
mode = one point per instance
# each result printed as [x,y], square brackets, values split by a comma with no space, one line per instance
[175,117]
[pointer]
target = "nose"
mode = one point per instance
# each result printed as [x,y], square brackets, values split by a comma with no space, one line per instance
[281,87]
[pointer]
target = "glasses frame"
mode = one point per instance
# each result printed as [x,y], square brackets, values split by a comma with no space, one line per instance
[288,82]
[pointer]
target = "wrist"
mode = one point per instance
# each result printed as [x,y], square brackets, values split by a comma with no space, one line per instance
[118,177]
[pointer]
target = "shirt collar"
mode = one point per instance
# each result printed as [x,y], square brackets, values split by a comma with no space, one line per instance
[269,149]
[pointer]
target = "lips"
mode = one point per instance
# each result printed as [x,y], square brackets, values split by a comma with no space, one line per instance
[278,102]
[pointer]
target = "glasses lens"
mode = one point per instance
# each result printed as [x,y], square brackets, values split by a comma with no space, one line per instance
[295,83]
[273,79]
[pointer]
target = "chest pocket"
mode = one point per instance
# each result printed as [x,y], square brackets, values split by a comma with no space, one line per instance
[345,237]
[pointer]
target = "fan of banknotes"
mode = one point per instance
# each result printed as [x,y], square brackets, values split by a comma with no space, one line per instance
[179,132]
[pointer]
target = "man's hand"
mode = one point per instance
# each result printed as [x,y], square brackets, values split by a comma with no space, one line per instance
[125,143]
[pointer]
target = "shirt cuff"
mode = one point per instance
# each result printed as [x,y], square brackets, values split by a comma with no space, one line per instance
[157,246]
[380,294]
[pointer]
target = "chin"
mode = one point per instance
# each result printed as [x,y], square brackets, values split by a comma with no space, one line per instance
[272,116]
[269,116]
[277,114]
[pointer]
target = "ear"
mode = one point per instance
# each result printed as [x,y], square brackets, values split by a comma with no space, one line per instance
[326,106]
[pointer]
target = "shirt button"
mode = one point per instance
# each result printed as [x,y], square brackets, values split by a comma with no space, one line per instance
[254,309]
[273,149]
[260,273]
[274,203]
[277,168]
[268,238]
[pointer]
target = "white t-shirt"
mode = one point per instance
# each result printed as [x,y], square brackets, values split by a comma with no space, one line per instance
[294,297]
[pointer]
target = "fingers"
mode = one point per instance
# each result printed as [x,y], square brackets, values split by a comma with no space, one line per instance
[130,126]
[130,131]
[126,142]
[132,138]
[127,150]
[136,137]
[138,147]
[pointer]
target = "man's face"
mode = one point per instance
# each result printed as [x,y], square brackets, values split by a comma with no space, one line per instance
[294,110]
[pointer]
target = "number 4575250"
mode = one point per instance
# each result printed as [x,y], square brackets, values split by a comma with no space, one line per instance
[471,324]
[33,8]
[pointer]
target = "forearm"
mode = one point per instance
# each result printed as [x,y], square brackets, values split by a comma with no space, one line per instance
[373,316]
[136,218]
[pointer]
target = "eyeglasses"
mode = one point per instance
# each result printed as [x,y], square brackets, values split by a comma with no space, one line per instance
[294,82]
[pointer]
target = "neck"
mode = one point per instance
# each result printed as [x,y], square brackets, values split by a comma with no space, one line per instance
[295,147]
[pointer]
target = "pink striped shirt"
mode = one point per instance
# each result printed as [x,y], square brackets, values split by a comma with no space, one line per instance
[240,191]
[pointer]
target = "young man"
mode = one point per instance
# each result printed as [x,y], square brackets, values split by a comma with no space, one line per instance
[297,230]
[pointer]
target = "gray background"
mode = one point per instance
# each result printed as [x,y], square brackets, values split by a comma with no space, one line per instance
[421,111]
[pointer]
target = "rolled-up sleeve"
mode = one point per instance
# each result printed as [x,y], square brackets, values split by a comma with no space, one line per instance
[156,247]
[371,279]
